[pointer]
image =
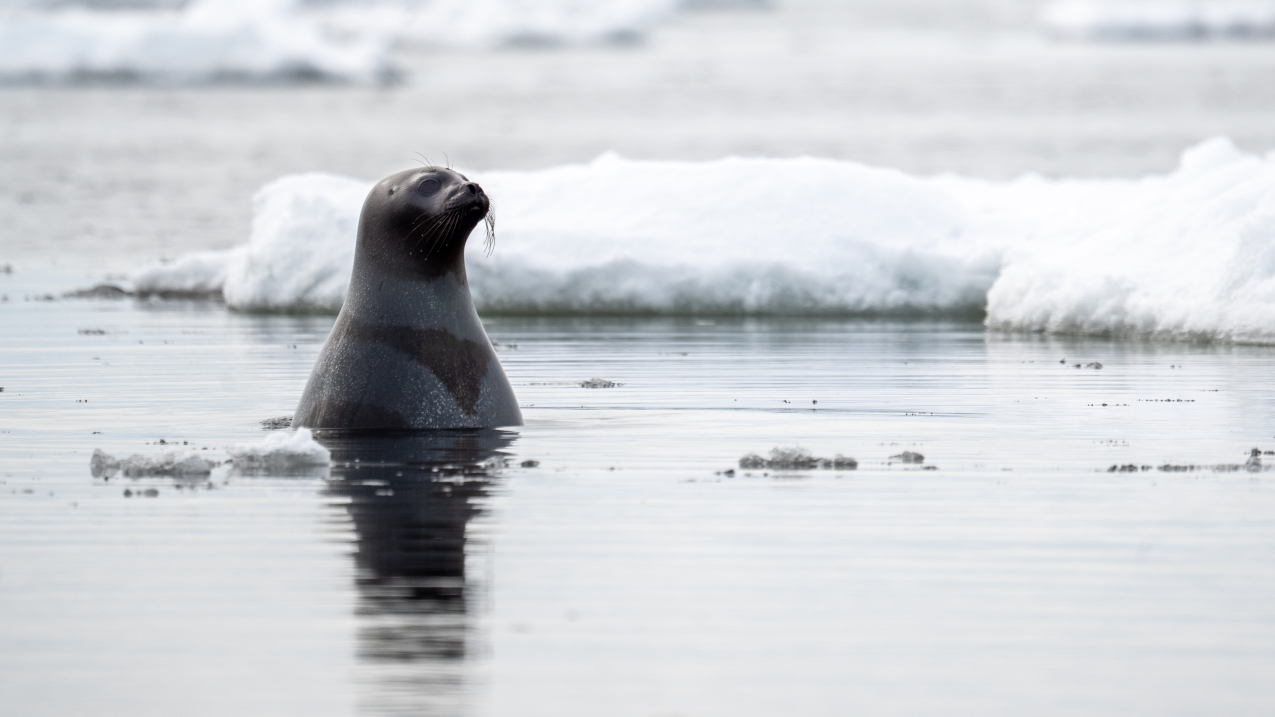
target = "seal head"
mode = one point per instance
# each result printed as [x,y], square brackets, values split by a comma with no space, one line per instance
[408,350]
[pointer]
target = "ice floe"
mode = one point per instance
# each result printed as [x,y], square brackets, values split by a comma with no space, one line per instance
[172,462]
[281,451]
[1184,255]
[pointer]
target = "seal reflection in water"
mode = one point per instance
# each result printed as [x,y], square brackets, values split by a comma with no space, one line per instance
[410,496]
[408,350]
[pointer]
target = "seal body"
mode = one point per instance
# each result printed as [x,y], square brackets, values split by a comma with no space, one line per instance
[408,350]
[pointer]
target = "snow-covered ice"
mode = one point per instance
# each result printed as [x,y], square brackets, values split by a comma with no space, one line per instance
[1186,255]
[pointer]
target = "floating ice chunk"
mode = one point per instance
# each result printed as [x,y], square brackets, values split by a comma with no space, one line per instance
[1187,255]
[735,236]
[792,457]
[103,464]
[281,451]
[909,457]
[1190,255]
[276,423]
[174,462]
[1254,462]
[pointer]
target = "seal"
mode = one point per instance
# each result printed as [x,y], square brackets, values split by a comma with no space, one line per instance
[407,350]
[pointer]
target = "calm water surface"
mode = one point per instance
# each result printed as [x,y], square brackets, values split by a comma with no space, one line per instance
[624,574]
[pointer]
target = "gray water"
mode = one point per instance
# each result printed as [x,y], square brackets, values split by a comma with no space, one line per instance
[627,573]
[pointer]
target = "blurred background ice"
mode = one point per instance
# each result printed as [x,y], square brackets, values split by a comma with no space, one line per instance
[157,121]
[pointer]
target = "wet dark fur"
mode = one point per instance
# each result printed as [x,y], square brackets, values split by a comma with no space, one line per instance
[408,297]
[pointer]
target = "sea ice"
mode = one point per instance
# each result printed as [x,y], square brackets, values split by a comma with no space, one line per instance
[791,457]
[280,451]
[1186,255]
[172,462]
[909,457]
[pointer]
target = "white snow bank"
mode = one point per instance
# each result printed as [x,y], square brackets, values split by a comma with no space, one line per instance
[734,236]
[281,451]
[298,256]
[207,40]
[1190,254]
[1159,19]
[171,462]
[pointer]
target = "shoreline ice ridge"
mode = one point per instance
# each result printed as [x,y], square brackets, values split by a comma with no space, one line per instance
[1188,255]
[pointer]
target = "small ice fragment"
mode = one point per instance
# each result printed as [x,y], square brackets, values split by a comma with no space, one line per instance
[173,462]
[908,457]
[844,463]
[281,450]
[103,465]
[101,291]
[276,423]
[1254,462]
[792,456]
[599,383]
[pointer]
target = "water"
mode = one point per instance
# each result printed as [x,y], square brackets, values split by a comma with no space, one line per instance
[625,574]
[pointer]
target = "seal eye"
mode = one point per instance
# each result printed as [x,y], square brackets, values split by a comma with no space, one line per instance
[428,186]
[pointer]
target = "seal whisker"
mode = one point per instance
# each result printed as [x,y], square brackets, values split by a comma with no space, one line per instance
[490,220]
[431,238]
[428,229]
[446,224]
